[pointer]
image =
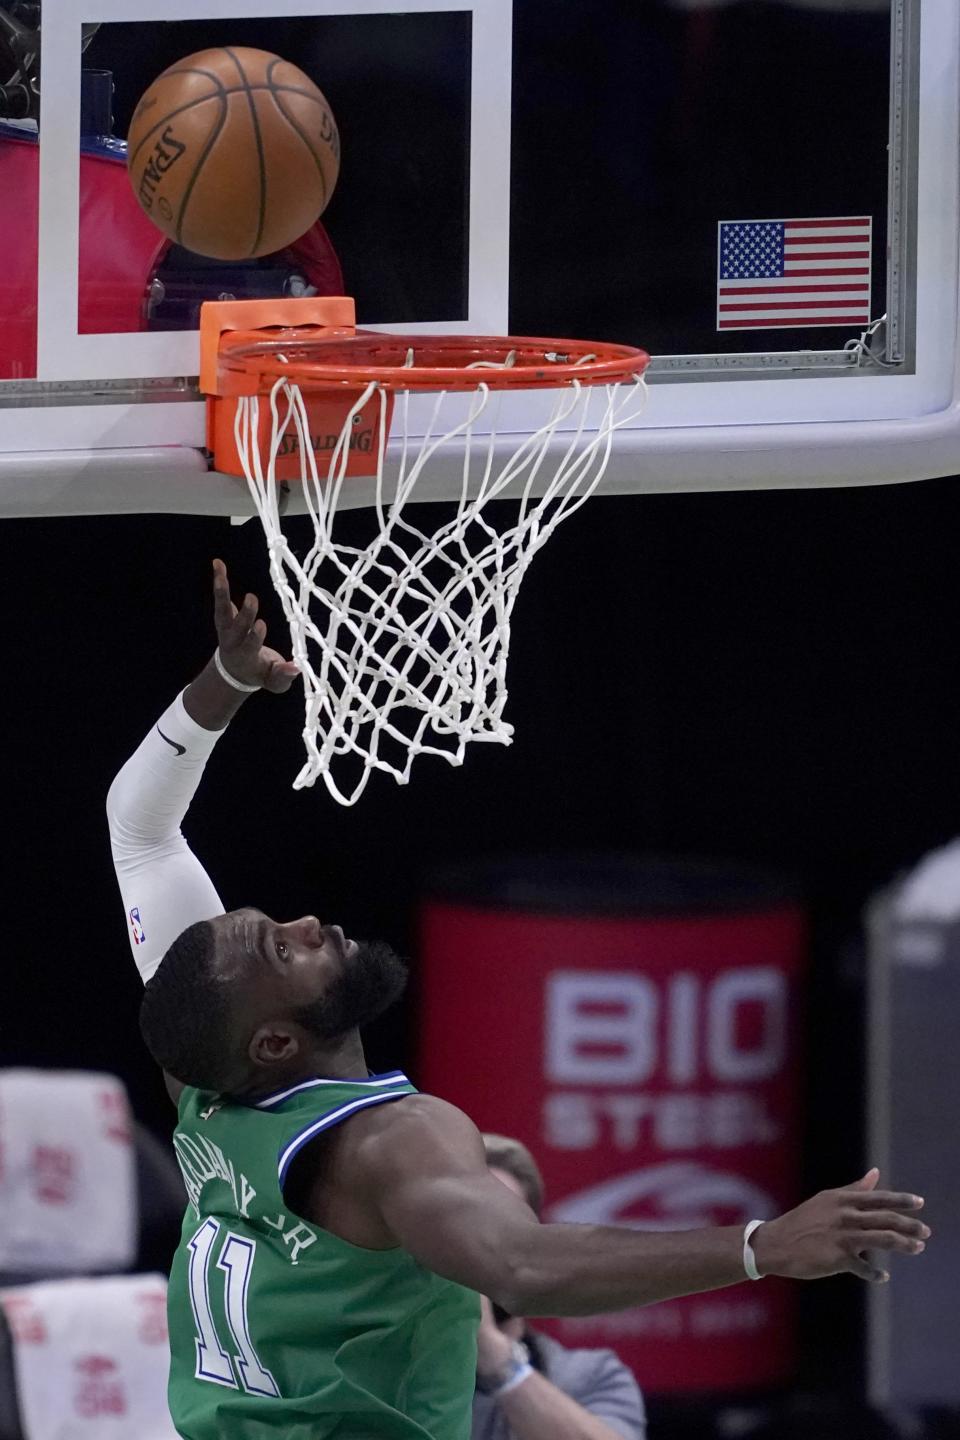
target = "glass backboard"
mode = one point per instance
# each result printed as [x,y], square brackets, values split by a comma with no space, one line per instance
[764,196]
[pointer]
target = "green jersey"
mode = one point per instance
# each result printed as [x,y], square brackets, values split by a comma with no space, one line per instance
[279,1328]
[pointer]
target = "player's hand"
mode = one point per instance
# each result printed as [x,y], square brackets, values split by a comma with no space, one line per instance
[834,1231]
[241,635]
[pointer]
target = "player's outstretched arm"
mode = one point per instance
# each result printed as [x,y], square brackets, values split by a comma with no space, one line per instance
[427,1173]
[164,887]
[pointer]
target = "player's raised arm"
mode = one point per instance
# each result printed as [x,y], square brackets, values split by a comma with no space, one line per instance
[427,1172]
[164,887]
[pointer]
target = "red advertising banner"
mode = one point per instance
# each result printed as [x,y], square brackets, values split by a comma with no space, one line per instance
[650,1064]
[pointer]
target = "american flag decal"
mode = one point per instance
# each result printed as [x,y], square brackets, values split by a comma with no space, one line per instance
[775,273]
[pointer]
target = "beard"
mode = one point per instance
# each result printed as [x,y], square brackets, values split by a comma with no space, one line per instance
[368,984]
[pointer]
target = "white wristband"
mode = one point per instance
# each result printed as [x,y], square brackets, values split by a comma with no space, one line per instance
[517,1378]
[225,675]
[749,1259]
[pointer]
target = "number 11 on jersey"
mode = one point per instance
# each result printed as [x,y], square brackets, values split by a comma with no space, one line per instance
[236,1263]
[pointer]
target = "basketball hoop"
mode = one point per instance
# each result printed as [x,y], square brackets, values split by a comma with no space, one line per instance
[411,633]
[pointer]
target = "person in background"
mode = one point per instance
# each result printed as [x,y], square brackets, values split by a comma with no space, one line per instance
[530,1387]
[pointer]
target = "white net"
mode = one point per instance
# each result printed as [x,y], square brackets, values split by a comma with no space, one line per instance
[403,643]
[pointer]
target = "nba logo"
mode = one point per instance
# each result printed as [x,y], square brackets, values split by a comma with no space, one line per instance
[136,925]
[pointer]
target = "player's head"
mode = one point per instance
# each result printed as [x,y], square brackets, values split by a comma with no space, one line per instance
[513,1164]
[241,1000]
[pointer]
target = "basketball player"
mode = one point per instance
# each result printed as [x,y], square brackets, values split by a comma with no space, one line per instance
[341,1226]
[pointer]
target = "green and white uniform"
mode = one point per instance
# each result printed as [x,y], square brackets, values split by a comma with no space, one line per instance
[277,1327]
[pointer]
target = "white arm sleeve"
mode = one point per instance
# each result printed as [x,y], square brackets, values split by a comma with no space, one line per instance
[163,885]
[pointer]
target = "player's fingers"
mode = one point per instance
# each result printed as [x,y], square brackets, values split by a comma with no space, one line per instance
[254,640]
[881,1200]
[224,609]
[281,676]
[853,1218]
[870,1181]
[246,616]
[888,1240]
[860,1265]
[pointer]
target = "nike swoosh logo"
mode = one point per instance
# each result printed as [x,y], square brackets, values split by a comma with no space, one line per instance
[180,749]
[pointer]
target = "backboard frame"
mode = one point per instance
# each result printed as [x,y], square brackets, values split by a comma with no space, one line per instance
[795,423]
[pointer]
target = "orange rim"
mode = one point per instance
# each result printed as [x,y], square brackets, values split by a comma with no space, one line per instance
[439,362]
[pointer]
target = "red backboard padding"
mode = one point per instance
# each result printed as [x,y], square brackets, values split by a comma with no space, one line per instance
[120,251]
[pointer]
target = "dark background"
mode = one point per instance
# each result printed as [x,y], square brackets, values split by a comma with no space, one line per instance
[766,677]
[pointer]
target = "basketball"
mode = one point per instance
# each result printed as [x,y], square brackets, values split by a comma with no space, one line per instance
[233,153]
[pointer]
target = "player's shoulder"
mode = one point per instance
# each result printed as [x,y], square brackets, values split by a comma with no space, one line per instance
[410,1115]
[411,1130]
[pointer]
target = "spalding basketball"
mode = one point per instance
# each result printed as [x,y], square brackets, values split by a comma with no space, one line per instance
[233,153]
